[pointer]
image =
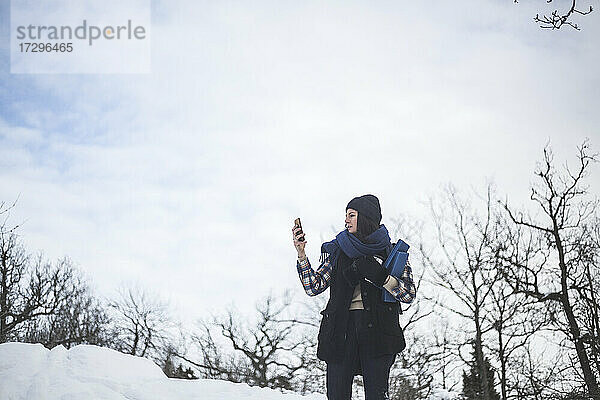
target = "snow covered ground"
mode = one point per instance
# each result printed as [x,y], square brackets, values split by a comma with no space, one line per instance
[32,372]
[84,372]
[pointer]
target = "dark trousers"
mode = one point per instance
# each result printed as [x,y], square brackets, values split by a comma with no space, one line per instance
[375,370]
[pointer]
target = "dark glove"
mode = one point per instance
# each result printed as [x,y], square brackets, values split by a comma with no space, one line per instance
[351,274]
[368,267]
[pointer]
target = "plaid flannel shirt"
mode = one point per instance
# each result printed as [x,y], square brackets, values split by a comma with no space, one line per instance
[315,282]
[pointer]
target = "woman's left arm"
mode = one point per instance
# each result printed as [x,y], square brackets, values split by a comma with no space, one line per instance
[402,288]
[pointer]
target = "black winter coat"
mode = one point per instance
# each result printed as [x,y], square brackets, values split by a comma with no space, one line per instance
[382,332]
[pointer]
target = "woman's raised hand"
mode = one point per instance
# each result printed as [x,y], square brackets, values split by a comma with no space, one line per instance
[297,243]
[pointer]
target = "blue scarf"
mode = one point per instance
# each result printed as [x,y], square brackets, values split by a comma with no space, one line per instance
[353,247]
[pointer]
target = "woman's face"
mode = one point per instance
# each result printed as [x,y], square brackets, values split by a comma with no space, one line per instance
[351,220]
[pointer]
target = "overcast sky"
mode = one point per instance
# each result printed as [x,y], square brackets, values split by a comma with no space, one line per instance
[188,179]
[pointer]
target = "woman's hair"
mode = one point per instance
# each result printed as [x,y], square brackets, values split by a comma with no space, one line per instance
[365,227]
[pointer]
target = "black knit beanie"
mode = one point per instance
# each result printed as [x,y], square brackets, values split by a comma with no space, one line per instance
[367,205]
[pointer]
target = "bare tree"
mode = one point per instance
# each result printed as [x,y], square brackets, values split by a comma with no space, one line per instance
[427,355]
[142,324]
[559,18]
[464,268]
[306,318]
[14,309]
[271,352]
[412,374]
[515,319]
[79,319]
[215,362]
[558,263]
[31,288]
[591,321]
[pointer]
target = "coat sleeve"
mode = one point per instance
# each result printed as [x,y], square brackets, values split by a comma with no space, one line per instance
[403,287]
[314,282]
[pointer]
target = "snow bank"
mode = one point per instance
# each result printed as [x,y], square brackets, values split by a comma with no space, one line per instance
[84,372]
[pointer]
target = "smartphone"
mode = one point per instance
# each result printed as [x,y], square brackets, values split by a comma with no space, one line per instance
[299,225]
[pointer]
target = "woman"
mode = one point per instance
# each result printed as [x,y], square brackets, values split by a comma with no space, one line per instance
[359,333]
